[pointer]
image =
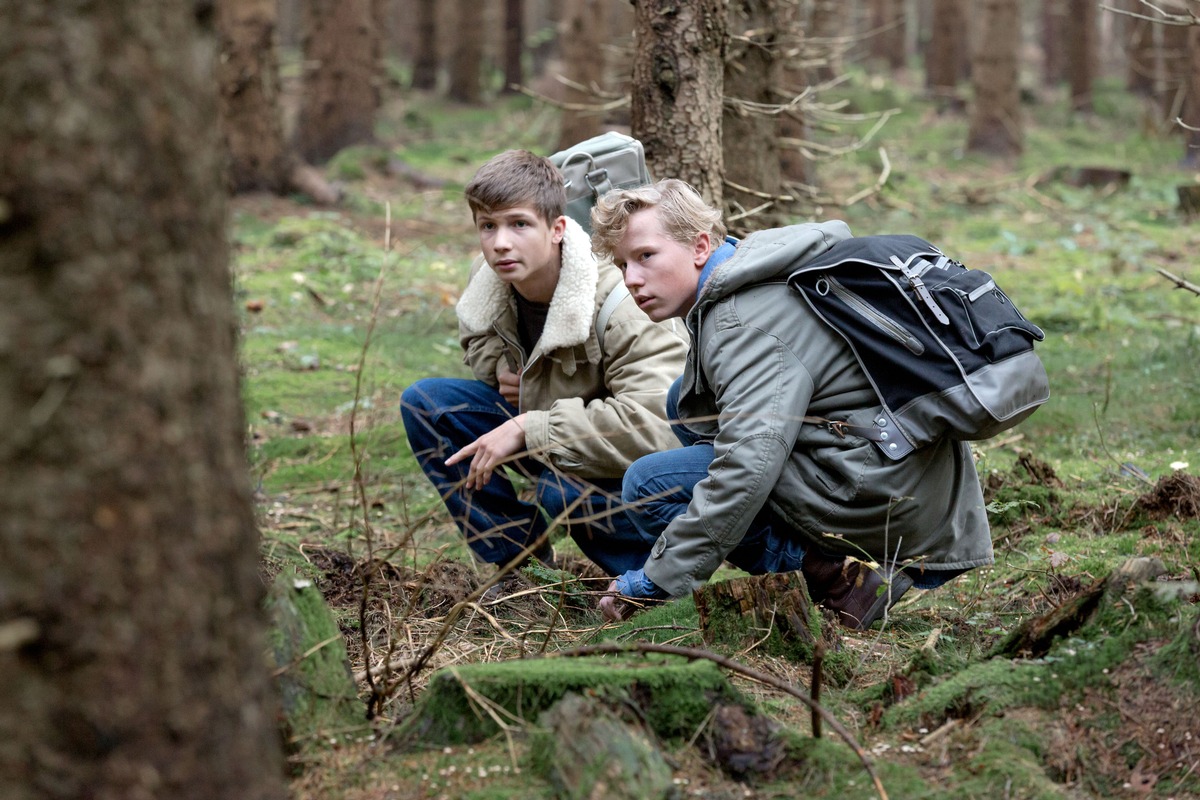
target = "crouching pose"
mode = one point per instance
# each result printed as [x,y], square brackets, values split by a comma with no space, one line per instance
[756,485]
[569,386]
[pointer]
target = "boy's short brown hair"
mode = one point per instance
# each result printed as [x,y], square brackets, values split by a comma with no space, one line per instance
[518,178]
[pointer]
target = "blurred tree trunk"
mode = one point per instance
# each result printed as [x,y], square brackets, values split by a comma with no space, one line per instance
[759,33]
[888,37]
[995,126]
[678,75]
[251,117]
[944,55]
[793,127]
[1191,107]
[133,647]
[1175,70]
[542,18]
[583,35]
[259,155]
[466,57]
[425,63]
[1080,46]
[340,96]
[514,45]
[1055,30]
[825,24]
[1142,52]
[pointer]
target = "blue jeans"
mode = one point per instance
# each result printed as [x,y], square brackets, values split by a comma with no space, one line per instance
[659,487]
[443,415]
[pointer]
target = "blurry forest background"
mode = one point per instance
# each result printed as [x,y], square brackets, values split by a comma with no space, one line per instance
[273,188]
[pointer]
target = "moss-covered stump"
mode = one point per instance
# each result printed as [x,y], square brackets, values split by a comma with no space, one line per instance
[313,672]
[468,703]
[773,609]
[587,752]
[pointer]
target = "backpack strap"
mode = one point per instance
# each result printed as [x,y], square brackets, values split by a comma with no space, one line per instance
[618,293]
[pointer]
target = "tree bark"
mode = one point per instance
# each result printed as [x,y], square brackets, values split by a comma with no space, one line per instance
[888,26]
[1142,64]
[1055,30]
[514,45]
[1080,46]
[341,78]
[678,71]
[943,61]
[260,157]
[760,33]
[995,126]
[825,26]
[425,65]
[582,34]
[1191,106]
[130,609]
[466,58]
[248,77]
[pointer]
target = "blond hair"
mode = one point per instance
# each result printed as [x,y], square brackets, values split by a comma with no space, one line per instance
[682,212]
[517,178]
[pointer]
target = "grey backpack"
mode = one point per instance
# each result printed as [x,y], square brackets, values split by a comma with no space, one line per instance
[609,161]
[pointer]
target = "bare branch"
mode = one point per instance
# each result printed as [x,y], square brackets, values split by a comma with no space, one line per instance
[1179,282]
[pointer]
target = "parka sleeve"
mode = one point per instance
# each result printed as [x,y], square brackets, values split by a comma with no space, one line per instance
[602,437]
[762,392]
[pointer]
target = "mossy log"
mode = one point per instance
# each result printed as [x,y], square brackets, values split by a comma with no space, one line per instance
[1034,636]
[773,608]
[312,669]
[471,702]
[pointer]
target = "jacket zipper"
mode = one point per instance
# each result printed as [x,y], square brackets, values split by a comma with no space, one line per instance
[886,324]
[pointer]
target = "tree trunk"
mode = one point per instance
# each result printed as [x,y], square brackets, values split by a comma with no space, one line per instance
[542,19]
[514,44]
[341,78]
[678,71]
[466,58]
[1142,72]
[1080,46]
[1055,30]
[583,35]
[425,64]
[1191,106]
[995,127]
[825,25]
[130,609]
[888,27]
[759,35]
[944,55]
[793,126]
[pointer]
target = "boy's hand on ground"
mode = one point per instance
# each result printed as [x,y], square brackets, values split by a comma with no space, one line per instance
[510,386]
[491,450]
[612,606]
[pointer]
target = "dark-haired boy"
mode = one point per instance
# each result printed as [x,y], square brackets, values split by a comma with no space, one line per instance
[570,405]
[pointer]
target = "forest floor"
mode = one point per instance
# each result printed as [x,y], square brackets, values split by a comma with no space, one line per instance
[344,307]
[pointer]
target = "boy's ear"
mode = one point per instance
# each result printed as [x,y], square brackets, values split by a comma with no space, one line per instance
[702,249]
[558,230]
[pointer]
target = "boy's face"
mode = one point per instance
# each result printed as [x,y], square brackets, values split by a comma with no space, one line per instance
[661,273]
[520,246]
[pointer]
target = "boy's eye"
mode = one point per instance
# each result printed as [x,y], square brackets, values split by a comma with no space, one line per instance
[486,226]
[521,224]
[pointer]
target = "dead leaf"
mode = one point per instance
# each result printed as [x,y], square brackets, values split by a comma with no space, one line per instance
[1142,782]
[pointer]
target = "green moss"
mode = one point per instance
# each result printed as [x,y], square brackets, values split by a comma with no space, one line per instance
[315,685]
[675,695]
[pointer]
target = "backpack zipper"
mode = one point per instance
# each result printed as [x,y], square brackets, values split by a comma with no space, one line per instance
[885,324]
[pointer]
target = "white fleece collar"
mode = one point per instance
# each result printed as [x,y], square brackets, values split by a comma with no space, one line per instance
[572,308]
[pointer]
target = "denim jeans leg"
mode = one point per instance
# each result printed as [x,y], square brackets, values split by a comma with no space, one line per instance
[443,415]
[593,514]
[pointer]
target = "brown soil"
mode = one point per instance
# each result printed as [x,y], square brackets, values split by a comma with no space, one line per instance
[1176,495]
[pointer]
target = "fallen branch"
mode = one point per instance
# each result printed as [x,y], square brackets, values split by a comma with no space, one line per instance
[1179,282]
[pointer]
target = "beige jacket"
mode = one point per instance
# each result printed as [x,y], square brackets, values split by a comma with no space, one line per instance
[590,412]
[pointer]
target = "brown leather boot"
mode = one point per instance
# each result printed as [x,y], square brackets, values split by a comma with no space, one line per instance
[858,594]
